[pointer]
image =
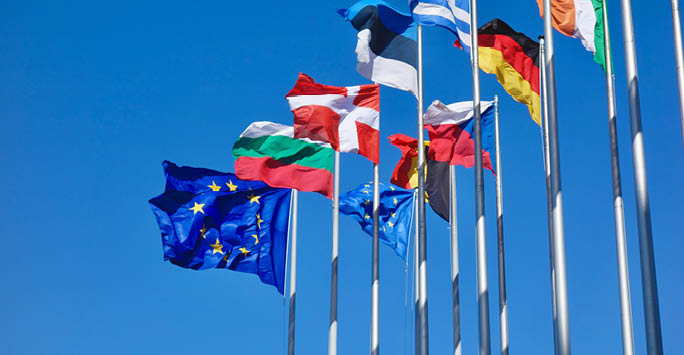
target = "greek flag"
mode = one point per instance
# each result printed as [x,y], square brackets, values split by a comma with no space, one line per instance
[454,15]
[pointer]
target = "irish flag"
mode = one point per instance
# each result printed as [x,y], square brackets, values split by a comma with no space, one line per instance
[346,117]
[582,19]
[269,152]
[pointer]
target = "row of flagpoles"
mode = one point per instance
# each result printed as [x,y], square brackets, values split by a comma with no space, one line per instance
[307,95]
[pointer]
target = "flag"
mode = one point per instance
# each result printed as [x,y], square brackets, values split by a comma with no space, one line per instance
[450,128]
[213,220]
[514,58]
[582,19]
[386,50]
[405,174]
[395,213]
[454,15]
[268,152]
[346,117]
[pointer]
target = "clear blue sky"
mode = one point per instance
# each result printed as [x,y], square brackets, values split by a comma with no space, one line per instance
[93,97]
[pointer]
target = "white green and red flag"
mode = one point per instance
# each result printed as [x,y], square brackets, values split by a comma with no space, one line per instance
[582,19]
[346,117]
[268,152]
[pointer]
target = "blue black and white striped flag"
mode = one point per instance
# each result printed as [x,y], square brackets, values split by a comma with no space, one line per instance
[454,15]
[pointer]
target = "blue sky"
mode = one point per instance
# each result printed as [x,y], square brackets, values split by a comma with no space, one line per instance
[93,97]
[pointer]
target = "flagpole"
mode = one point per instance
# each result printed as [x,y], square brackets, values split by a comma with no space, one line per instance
[481,246]
[332,332]
[679,57]
[453,229]
[422,241]
[618,208]
[549,196]
[503,310]
[416,274]
[293,276]
[375,281]
[562,318]
[654,338]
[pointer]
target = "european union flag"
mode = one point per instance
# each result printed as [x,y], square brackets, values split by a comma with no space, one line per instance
[210,219]
[396,213]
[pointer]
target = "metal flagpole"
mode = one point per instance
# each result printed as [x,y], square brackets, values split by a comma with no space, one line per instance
[549,197]
[422,242]
[618,208]
[453,229]
[654,338]
[293,276]
[375,286]
[416,274]
[677,28]
[481,246]
[332,332]
[503,310]
[562,319]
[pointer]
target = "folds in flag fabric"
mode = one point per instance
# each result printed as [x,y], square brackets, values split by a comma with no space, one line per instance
[396,213]
[346,117]
[268,152]
[405,174]
[436,173]
[454,15]
[582,19]
[514,58]
[210,219]
[450,128]
[386,50]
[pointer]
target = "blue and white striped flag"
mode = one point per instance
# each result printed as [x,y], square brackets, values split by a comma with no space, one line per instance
[454,15]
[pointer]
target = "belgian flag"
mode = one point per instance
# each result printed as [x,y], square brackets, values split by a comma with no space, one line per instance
[405,174]
[514,58]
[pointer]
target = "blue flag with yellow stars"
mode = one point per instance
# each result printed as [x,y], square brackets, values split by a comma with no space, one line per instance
[213,220]
[396,213]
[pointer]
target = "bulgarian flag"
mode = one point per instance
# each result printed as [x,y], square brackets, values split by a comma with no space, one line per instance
[582,19]
[346,117]
[268,152]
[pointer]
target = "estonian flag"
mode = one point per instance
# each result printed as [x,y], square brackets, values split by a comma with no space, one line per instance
[387,51]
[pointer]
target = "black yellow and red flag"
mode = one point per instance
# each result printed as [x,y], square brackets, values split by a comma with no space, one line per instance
[514,58]
[405,174]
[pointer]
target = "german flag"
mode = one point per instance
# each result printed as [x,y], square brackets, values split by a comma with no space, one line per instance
[514,58]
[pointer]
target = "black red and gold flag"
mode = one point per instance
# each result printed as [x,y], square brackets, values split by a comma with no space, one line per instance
[514,58]
[405,174]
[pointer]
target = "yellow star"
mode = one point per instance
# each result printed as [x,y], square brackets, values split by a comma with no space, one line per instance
[367,216]
[366,202]
[366,192]
[392,214]
[218,247]
[244,250]
[231,186]
[395,201]
[366,186]
[390,224]
[225,257]
[214,187]
[256,239]
[197,208]
[383,229]
[392,188]
[203,231]
[259,220]
[252,198]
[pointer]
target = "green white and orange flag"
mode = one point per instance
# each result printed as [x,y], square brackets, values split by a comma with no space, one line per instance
[582,19]
[268,152]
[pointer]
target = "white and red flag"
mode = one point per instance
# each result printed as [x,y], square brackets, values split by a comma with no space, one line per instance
[346,117]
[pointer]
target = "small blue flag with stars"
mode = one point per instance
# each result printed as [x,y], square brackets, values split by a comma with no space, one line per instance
[213,220]
[396,213]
